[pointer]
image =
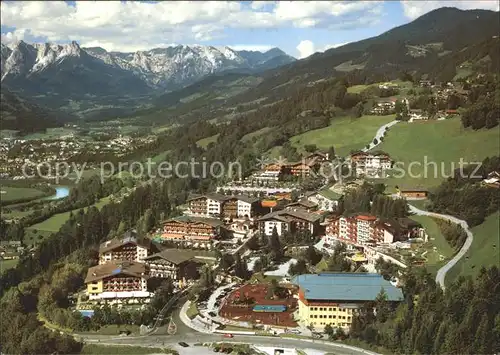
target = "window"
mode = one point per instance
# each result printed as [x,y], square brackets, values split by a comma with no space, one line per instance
[334,317]
[330,316]
[335,309]
[330,309]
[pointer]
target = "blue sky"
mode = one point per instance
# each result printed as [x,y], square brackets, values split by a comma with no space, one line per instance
[298,28]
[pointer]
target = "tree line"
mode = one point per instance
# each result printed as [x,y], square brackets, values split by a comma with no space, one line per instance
[465,319]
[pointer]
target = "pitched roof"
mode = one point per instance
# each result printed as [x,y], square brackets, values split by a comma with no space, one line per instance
[246,198]
[329,194]
[303,202]
[189,219]
[285,215]
[346,287]
[129,268]
[175,256]
[128,237]
[211,196]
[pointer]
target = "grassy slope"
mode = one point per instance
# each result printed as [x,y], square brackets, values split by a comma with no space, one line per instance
[203,143]
[7,264]
[56,221]
[345,134]
[442,142]
[437,240]
[483,251]
[17,193]
[248,137]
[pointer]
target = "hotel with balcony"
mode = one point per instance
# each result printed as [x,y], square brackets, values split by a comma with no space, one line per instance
[130,248]
[180,265]
[222,206]
[117,281]
[371,164]
[193,231]
[365,229]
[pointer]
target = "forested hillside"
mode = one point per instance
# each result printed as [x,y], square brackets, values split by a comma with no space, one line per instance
[23,115]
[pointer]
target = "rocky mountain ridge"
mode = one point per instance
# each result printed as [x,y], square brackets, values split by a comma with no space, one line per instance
[159,68]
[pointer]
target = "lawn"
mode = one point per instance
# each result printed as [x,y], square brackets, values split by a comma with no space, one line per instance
[482,252]
[34,236]
[55,222]
[8,193]
[261,278]
[95,349]
[192,311]
[345,134]
[248,137]
[436,240]
[442,142]
[7,264]
[356,89]
[203,143]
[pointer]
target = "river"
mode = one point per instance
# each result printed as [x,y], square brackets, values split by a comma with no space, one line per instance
[61,192]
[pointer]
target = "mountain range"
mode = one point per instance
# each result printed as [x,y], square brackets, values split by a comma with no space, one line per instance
[196,78]
[69,70]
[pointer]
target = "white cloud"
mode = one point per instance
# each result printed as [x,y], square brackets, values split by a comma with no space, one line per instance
[130,25]
[251,47]
[14,36]
[307,47]
[258,5]
[414,9]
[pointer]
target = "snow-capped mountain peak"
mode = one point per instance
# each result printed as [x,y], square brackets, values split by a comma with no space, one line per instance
[165,68]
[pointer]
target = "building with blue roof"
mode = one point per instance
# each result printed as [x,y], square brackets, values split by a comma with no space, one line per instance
[332,298]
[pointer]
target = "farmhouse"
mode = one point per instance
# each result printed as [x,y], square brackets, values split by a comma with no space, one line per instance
[412,192]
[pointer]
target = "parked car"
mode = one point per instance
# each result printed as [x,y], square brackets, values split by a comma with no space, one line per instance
[228,335]
[183,344]
[212,314]
[293,331]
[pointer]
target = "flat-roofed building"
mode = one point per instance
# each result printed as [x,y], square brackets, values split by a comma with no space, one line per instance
[333,298]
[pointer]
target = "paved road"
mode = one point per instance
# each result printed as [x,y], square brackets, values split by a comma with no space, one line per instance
[190,336]
[379,134]
[172,341]
[441,274]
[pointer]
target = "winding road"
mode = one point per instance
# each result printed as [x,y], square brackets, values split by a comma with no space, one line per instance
[379,134]
[441,274]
